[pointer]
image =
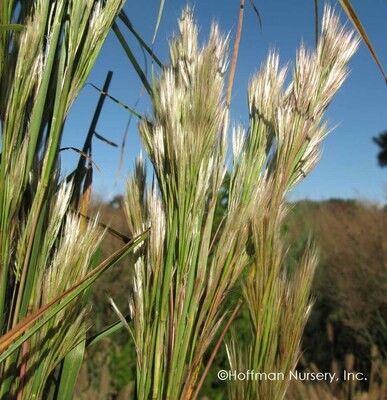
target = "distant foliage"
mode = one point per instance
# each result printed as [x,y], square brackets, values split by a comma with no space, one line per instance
[381,141]
[350,284]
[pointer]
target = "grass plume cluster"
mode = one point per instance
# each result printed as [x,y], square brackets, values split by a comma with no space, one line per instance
[288,126]
[185,271]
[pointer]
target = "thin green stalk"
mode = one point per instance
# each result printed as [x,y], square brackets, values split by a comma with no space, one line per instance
[124,18]
[132,58]
[28,266]
[37,115]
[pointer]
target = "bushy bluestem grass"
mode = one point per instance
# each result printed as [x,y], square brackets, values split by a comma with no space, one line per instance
[290,127]
[46,52]
[184,272]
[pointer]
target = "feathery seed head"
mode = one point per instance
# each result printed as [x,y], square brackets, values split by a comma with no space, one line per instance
[337,44]
[266,87]
[156,222]
[238,141]
[188,108]
[185,47]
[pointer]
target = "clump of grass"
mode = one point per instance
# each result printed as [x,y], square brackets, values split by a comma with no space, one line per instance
[174,271]
[45,248]
[69,263]
[286,128]
[184,272]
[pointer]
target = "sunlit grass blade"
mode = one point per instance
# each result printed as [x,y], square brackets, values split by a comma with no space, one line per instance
[47,51]
[235,53]
[216,349]
[346,4]
[38,110]
[159,15]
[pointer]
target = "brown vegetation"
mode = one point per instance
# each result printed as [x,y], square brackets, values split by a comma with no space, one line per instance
[348,323]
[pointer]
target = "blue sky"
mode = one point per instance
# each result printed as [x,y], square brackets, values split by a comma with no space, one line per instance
[348,167]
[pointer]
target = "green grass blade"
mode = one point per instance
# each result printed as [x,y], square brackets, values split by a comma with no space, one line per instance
[105,333]
[161,8]
[70,370]
[132,58]
[27,293]
[124,18]
[11,27]
[59,110]
[37,114]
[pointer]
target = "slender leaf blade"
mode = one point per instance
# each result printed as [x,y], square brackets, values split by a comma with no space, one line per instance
[117,101]
[11,27]
[346,4]
[161,8]
[70,371]
[105,333]
[132,58]
[124,18]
